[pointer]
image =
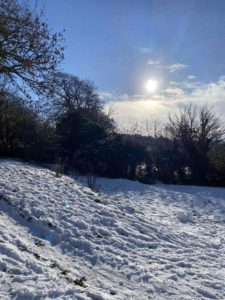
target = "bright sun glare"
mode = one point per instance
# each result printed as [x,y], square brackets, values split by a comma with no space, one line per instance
[151,85]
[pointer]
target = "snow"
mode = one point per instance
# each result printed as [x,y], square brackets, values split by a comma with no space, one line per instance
[60,240]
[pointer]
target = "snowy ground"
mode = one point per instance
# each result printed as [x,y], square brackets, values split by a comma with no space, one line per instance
[59,240]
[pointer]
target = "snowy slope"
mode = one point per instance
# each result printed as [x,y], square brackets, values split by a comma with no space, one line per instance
[59,240]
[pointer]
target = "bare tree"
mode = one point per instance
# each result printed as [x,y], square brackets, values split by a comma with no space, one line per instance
[184,126]
[197,126]
[70,94]
[28,51]
[17,121]
[210,129]
[152,128]
[196,131]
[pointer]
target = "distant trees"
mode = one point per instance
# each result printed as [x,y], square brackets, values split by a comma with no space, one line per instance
[86,134]
[78,115]
[28,51]
[165,160]
[14,118]
[217,161]
[195,132]
[22,132]
[113,157]
[190,149]
[77,129]
[17,123]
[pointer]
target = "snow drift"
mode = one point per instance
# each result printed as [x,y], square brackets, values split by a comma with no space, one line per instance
[60,240]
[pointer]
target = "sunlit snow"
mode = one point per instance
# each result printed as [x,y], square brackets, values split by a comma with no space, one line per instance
[60,240]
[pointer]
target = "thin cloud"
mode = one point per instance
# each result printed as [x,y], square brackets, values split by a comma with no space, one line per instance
[191,77]
[105,95]
[176,67]
[186,85]
[153,62]
[145,50]
[171,68]
[174,91]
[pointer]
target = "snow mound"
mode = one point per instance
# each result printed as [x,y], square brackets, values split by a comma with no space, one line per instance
[184,216]
[60,240]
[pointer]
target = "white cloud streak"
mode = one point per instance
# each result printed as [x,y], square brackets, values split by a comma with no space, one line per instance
[171,68]
[153,62]
[176,67]
[105,95]
[191,77]
[145,50]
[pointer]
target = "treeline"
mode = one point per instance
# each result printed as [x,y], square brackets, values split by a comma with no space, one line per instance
[63,120]
[69,127]
[73,130]
[189,150]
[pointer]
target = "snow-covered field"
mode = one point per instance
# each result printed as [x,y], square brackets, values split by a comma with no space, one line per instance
[59,240]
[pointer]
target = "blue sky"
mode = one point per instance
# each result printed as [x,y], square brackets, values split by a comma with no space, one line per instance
[119,44]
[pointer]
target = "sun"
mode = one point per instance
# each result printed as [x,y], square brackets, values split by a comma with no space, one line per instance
[151,85]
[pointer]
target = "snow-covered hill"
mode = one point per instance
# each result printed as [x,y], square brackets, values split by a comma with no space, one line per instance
[59,240]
